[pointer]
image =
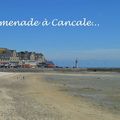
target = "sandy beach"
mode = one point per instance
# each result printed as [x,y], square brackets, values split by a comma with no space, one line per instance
[57,96]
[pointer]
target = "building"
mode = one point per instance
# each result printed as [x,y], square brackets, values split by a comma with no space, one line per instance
[24,55]
[50,64]
[7,55]
[23,58]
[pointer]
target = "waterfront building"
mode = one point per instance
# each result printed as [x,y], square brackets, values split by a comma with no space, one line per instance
[7,55]
[25,58]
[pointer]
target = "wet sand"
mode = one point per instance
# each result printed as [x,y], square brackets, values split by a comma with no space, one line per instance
[56,96]
[102,89]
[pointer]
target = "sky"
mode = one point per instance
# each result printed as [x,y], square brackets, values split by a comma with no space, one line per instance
[93,46]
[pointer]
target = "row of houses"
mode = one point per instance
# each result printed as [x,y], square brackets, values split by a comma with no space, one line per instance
[25,59]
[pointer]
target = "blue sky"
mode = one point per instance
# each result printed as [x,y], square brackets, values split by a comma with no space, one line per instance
[92,46]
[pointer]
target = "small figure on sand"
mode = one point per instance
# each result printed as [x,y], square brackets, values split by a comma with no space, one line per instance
[20,77]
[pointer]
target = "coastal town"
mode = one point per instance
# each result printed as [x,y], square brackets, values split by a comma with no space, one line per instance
[23,59]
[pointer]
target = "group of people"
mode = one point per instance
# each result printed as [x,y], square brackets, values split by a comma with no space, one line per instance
[20,77]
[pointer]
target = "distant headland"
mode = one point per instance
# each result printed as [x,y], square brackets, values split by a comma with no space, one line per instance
[25,59]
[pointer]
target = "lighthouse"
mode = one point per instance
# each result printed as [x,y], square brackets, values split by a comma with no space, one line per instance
[76,63]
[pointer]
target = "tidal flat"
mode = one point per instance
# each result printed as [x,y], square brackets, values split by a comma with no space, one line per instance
[102,89]
[59,96]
